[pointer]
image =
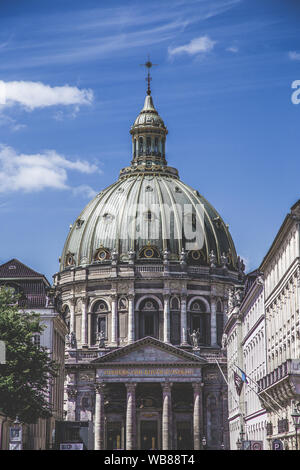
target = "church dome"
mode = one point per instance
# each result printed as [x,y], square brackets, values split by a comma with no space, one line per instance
[149,213]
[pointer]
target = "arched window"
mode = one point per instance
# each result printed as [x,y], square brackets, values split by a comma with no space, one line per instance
[148,319]
[199,321]
[134,148]
[175,320]
[141,145]
[99,322]
[148,147]
[163,147]
[156,145]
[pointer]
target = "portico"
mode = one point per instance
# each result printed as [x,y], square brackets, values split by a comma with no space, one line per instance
[153,398]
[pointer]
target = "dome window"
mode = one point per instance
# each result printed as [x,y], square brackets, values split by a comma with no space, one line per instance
[148,189]
[79,223]
[102,254]
[148,252]
[108,217]
[141,145]
[70,261]
[177,189]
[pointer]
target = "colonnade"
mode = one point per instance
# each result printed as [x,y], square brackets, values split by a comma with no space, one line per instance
[131,425]
[131,320]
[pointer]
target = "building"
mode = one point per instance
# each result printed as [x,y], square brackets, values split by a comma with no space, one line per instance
[280,385]
[143,284]
[263,339]
[33,289]
[245,332]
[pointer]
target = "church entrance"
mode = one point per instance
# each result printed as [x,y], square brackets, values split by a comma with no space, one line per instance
[149,435]
[184,435]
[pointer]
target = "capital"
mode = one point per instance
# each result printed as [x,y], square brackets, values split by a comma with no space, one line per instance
[100,388]
[130,387]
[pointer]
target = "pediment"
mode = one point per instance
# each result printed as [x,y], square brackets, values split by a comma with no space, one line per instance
[150,351]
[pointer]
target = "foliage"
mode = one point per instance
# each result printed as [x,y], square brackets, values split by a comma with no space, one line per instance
[25,378]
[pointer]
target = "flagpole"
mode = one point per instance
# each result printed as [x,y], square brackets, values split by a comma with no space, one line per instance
[236,401]
[261,389]
[264,400]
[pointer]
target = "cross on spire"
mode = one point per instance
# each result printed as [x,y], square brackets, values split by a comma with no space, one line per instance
[148,79]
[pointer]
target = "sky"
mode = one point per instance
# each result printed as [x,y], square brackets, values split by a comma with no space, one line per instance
[71,85]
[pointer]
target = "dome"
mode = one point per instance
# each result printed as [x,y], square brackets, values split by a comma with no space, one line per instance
[149,213]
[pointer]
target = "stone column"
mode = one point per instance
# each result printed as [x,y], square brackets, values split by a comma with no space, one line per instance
[71,404]
[131,318]
[166,417]
[99,417]
[213,324]
[84,339]
[72,315]
[166,318]
[197,416]
[114,320]
[131,417]
[183,321]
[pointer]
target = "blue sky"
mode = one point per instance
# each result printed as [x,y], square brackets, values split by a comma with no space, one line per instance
[74,86]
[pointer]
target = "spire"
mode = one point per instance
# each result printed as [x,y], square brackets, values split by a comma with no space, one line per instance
[148,79]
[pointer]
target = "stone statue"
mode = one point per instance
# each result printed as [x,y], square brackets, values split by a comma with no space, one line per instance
[241,265]
[166,255]
[224,260]
[131,256]
[224,341]
[114,257]
[68,340]
[195,339]
[73,340]
[212,259]
[100,339]
[182,256]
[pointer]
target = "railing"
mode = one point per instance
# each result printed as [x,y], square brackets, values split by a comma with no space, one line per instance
[288,367]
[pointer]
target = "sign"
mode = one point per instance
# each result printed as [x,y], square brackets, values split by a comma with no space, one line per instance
[257,445]
[2,353]
[149,372]
[277,444]
[15,446]
[72,446]
[15,434]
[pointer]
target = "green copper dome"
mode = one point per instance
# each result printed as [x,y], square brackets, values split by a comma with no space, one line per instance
[149,213]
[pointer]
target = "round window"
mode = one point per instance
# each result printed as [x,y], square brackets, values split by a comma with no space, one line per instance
[149,253]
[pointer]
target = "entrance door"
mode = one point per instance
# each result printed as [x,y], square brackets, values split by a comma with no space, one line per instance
[149,435]
[114,433]
[184,436]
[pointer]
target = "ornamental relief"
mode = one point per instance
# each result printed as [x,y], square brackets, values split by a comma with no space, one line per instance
[86,376]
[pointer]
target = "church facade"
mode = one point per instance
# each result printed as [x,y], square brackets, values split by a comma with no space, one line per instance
[143,286]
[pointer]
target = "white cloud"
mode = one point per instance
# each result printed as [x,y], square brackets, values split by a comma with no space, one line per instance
[85,191]
[32,95]
[195,46]
[233,49]
[35,172]
[293,55]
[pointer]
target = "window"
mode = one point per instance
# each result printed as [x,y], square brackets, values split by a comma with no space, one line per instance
[141,145]
[199,321]
[148,149]
[100,311]
[148,319]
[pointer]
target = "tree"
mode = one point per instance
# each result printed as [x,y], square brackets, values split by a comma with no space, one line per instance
[25,378]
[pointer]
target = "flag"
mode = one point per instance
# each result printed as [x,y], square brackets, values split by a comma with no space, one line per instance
[244,376]
[238,382]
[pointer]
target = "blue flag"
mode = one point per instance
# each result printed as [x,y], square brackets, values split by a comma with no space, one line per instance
[244,376]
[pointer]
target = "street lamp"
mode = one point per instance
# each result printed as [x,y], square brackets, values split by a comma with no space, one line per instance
[203,442]
[239,444]
[296,421]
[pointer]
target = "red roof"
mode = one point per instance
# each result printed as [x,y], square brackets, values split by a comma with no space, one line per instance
[14,269]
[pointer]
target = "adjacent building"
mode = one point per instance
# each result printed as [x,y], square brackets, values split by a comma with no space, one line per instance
[280,385]
[34,291]
[263,339]
[245,331]
[143,286]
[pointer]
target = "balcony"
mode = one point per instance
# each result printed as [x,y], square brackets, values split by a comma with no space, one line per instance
[282,384]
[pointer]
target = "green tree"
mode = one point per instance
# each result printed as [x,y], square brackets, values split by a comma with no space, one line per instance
[25,378]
